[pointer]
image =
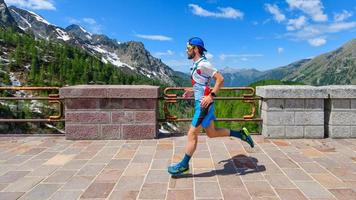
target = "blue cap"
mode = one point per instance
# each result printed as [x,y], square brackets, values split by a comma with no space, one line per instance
[195,41]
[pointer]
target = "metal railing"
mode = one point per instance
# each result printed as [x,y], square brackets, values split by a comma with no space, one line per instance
[51,98]
[250,98]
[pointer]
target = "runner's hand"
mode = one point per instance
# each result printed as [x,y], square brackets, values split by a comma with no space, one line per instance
[188,92]
[206,100]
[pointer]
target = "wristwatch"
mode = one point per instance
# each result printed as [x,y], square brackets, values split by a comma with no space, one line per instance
[213,94]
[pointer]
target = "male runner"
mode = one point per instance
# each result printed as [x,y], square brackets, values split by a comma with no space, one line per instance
[201,74]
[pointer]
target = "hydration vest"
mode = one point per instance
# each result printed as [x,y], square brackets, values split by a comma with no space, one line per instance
[197,76]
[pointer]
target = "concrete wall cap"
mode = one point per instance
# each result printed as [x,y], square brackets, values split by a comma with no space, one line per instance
[109,91]
[291,91]
[341,91]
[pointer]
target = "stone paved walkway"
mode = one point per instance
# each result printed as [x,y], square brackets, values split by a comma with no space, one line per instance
[39,168]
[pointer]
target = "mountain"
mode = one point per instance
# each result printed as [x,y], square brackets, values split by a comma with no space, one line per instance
[37,26]
[334,68]
[131,57]
[6,20]
[239,77]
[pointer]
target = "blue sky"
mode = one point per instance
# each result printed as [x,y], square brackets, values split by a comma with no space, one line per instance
[237,33]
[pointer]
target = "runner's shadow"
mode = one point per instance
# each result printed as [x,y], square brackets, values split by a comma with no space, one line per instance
[239,165]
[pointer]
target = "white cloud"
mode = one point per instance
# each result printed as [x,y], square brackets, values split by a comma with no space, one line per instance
[166,53]
[89,23]
[280,50]
[295,24]
[314,8]
[226,12]
[242,56]
[317,42]
[340,26]
[338,17]
[33,4]
[274,10]
[154,37]
[209,56]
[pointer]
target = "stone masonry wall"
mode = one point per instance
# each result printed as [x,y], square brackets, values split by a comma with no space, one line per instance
[308,112]
[110,111]
[341,111]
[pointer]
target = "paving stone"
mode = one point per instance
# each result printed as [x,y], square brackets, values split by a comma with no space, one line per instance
[41,191]
[109,176]
[160,163]
[157,176]
[74,165]
[297,174]
[329,181]
[204,175]
[91,170]
[67,195]
[235,193]
[12,176]
[181,182]
[153,191]
[129,183]
[343,194]
[118,164]
[313,190]
[24,184]
[202,163]
[125,154]
[207,190]
[98,190]
[59,160]
[259,188]
[280,181]
[290,194]
[10,195]
[230,181]
[185,194]
[61,176]
[78,183]
[43,171]
[124,195]
[137,169]
[313,168]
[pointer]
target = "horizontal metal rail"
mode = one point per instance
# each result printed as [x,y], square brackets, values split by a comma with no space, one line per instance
[52,99]
[250,98]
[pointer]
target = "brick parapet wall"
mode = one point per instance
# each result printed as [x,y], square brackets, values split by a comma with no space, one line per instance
[110,112]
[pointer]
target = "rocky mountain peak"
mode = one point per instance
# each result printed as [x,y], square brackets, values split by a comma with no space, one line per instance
[79,32]
[6,20]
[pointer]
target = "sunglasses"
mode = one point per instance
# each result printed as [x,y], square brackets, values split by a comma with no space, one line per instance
[189,46]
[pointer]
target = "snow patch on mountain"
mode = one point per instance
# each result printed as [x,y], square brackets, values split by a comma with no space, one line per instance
[109,57]
[62,35]
[39,18]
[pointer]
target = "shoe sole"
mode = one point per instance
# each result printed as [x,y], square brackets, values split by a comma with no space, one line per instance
[247,134]
[181,173]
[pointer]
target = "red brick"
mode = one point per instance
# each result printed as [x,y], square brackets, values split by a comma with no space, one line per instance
[133,91]
[138,131]
[94,117]
[122,117]
[83,91]
[110,131]
[82,104]
[79,131]
[139,103]
[145,117]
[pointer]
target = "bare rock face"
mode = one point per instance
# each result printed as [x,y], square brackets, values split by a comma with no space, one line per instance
[6,20]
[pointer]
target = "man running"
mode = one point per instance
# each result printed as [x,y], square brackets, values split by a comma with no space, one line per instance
[201,74]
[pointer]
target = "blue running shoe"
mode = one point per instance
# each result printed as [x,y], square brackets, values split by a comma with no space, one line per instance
[246,136]
[178,169]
